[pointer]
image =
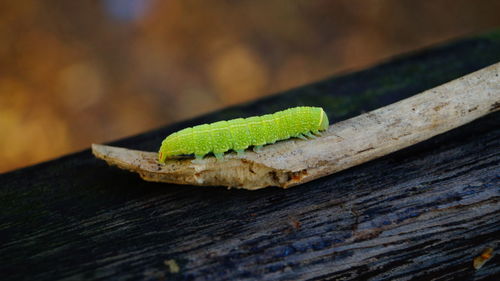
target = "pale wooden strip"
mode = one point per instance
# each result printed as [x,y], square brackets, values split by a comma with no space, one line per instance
[343,145]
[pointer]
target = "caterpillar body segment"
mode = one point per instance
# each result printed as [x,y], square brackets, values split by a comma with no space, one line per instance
[241,133]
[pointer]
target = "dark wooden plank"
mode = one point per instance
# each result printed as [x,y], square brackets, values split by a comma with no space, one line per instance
[424,212]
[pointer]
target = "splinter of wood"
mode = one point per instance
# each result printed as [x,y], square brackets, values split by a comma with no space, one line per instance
[343,145]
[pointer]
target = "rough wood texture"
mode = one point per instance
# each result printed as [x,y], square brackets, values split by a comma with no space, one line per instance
[424,212]
[343,145]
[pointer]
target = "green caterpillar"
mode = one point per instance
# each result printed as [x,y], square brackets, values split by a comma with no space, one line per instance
[239,134]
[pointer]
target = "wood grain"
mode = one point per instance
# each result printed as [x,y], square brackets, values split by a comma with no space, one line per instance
[422,213]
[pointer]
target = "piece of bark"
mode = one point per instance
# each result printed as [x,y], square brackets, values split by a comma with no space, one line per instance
[343,145]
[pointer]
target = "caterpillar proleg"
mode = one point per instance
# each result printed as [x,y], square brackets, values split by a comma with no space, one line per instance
[239,134]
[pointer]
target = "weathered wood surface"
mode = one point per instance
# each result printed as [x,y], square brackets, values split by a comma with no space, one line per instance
[422,213]
[345,144]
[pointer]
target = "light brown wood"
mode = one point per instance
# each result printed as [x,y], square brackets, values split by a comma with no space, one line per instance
[343,145]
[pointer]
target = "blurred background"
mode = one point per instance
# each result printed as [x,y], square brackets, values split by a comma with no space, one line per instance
[77,72]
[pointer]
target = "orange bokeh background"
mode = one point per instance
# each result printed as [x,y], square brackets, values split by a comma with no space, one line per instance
[77,72]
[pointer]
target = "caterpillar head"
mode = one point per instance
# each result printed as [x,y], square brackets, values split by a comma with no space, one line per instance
[162,154]
[167,148]
[323,123]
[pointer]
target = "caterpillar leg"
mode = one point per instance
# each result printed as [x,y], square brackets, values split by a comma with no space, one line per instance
[309,135]
[218,155]
[257,148]
[316,133]
[300,136]
[240,152]
[198,159]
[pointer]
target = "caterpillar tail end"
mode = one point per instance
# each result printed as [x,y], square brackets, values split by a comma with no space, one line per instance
[324,122]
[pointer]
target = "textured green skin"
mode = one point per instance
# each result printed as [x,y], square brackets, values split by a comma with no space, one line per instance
[239,134]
